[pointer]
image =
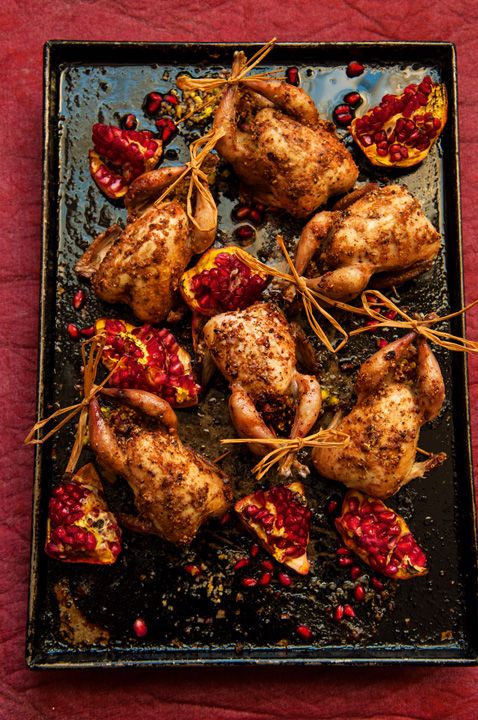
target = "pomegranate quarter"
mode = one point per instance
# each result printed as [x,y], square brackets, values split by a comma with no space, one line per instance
[380,537]
[281,520]
[120,156]
[221,282]
[80,527]
[400,131]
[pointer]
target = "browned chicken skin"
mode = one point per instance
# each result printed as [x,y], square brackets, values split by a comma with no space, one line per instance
[398,390]
[141,265]
[175,489]
[376,235]
[255,351]
[283,152]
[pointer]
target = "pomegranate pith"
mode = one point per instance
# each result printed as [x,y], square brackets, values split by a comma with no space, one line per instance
[280,519]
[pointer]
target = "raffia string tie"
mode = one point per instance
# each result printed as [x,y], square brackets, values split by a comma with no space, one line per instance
[310,298]
[89,391]
[289,446]
[240,73]
[199,150]
[419,325]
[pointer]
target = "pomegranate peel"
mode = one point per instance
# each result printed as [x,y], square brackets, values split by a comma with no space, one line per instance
[401,130]
[221,282]
[380,537]
[151,359]
[120,156]
[109,182]
[280,519]
[80,528]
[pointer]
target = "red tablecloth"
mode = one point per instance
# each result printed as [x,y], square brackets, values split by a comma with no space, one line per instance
[230,694]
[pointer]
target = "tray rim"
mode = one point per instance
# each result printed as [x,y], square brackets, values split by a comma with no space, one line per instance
[55,54]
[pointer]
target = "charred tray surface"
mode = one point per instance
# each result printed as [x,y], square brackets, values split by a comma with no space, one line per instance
[82,615]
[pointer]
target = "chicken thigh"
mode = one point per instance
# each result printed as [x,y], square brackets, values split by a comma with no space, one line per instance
[398,389]
[376,233]
[142,264]
[255,351]
[279,147]
[175,489]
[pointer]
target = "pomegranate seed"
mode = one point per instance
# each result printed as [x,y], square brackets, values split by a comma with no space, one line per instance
[354,68]
[359,593]
[79,299]
[242,563]
[304,632]
[265,578]
[171,99]
[193,570]
[332,506]
[73,331]
[249,582]
[167,134]
[152,103]
[354,99]
[345,561]
[338,613]
[343,551]
[381,343]
[244,232]
[88,332]
[254,551]
[241,212]
[267,565]
[349,611]
[140,628]
[256,216]
[366,140]
[376,583]
[292,76]
[355,571]
[129,122]
[343,115]
[225,518]
[284,579]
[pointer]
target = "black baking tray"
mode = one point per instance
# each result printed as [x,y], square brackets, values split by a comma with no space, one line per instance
[213,620]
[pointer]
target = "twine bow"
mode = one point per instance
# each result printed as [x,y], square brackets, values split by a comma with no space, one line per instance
[309,297]
[417,324]
[89,392]
[239,73]
[199,150]
[290,446]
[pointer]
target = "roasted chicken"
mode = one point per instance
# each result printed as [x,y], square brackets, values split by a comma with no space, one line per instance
[279,147]
[376,235]
[175,489]
[398,389]
[255,351]
[142,264]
